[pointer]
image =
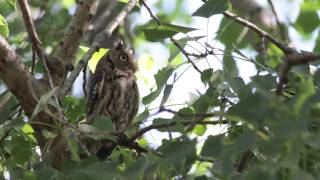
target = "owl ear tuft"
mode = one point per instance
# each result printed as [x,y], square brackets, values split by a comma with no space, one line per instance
[131,51]
[119,45]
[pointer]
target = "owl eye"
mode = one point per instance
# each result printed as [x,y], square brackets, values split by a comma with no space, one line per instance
[123,57]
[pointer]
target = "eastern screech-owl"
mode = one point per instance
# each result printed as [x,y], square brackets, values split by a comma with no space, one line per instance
[112,92]
[112,88]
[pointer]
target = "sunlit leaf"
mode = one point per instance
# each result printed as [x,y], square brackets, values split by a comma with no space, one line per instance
[4,29]
[95,57]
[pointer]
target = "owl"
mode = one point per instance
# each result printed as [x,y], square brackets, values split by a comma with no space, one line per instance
[112,89]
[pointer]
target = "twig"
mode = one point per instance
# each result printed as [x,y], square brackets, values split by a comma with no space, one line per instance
[151,13]
[286,49]
[37,45]
[162,109]
[281,29]
[186,54]
[140,132]
[106,33]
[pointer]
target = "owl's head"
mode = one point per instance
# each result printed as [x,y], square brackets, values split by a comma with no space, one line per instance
[121,58]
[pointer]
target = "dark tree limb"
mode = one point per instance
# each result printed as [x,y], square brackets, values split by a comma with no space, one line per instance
[17,77]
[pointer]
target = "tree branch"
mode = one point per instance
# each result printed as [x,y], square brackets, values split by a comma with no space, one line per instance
[17,77]
[37,46]
[186,54]
[286,49]
[281,29]
[77,27]
[106,33]
[140,132]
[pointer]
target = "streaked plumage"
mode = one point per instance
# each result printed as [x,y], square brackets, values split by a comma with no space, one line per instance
[112,89]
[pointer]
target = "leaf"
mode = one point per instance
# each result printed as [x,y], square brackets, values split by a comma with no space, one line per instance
[103,123]
[44,100]
[141,117]
[155,35]
[206,75]
[48,134]
[213,146]
[229,66]
[306,89]
[307,21]
[177,153]
[95,133]
[73,148]
[145,62]
[94,60]
[176,28]
[4,29]
[7,125]
[199,130]
[21,150]
[135,170]
[161,79]
[165,30]
[166,93]
[212,7]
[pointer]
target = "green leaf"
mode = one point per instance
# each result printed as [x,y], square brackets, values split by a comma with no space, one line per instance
[4,29]
[161,79]
[165,30]
[206,75]
[166,93]
[229,33]
[212,7]
[306,89]
[21,150]
[73,148]
[74,108]
[141,117]
[229,66]
[175,153]
[155,35]
[213,147]
[44,100]
[307,21]
[8,125]
[199,130]
[135,170]
[94,60]
[103,123]
[176,28]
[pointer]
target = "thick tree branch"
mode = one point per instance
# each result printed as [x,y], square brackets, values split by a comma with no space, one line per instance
[105,34]
[76,29]
[78,26]
[37,45]
[17,77]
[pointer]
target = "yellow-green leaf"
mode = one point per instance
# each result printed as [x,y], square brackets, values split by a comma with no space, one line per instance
[95,57]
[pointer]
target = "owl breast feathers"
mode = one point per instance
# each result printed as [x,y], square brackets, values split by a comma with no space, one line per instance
[112,89]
